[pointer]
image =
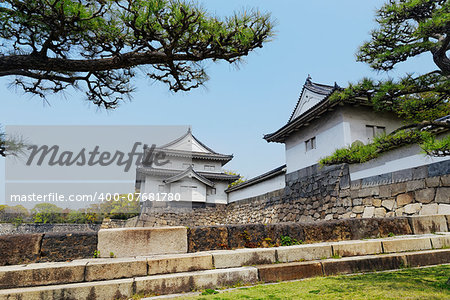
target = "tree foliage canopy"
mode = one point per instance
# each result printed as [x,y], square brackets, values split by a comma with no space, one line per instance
[97,46]
[407,28]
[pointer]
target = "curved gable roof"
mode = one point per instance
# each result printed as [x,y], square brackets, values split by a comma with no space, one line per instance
[189,172]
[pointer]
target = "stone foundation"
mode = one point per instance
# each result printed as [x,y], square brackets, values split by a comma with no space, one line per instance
[314,194]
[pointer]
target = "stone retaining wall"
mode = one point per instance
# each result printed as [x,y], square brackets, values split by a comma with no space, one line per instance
[29,248]
[8,228]
[314,193]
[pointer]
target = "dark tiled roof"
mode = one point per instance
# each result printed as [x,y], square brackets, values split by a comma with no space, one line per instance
[314,112]
[198,155]
[168,172]
[262,177]
[321,89]
[187,172]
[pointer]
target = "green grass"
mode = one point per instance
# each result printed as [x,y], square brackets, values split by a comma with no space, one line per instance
[425,283]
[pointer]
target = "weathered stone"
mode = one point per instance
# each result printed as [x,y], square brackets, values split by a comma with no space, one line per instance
[412,186]
[41,274]
[428,258]
[390,214]
[186,282]
[406,244]
[145,241]
[357,202]
[429,209]
[166,264]
[366,192]
[428,224]
[321,231]
[242,257]
[356,248]
[376,202]
[398,188]
[432,181]
[404,199]
[368,212]
[440,241]
[205,238]
[399,212]
[425,195]
[445,180]
[443,195]
[65,246]
[412,208]
[379,212]
[19,249]
[358,209]
[115,268]
[102,290]
[246,236]
[443,209]
[385,191]
[388,204]
[350,265]
[289,271]
[303,252]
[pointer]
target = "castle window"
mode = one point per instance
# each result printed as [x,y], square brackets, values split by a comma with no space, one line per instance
[373,131]
[310,144]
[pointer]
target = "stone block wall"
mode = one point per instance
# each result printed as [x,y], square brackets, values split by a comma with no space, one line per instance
[18,249]
[314,193]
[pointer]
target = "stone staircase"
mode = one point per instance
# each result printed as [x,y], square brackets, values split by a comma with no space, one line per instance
[121,278]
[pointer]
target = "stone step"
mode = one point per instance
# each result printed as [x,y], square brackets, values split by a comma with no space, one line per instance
[89,270]
[126,288]
[190,281]
[351,265]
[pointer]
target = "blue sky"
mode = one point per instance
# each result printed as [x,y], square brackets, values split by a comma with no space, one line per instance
[239,104]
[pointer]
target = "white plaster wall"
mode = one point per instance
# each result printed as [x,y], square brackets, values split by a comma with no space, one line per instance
[330,132]
[336,129]
[220,197]
[358,117]
[257,189]
[395,160]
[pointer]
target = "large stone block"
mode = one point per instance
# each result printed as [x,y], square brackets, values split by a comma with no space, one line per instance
[242,257]
[429,209]
[102,290]
[402,244]
[187,282]
[443,209]
[425,195]
[129,242]
[246,236]
[356,248]
[304,252]
[334,230]
[41,274]
[443,195]
[350,265]
[289,271]
[68,246]
[204,238]
[428,258]
[404,199]
[115,268]
[19,249]
[164,264]
[428,224]
[276,231]
[440,241]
